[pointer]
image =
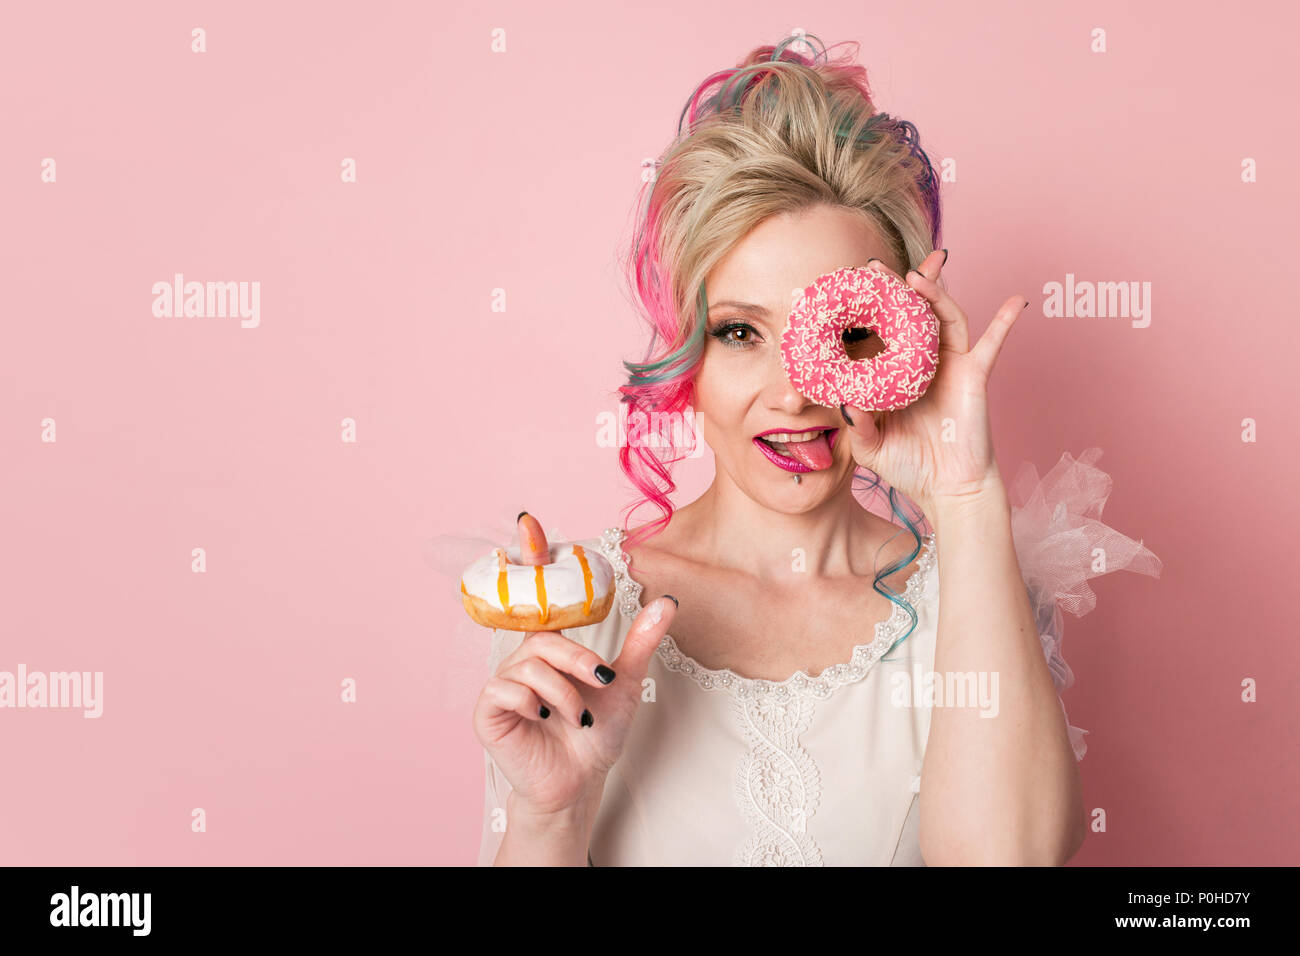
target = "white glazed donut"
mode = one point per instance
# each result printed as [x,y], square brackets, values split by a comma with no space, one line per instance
[575,589]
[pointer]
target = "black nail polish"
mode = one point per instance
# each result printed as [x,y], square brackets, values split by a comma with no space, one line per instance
[673,599]
[945,257]
[521,514]
[586,718]
[873,259]
[847,420]
[604,674]
[543,712]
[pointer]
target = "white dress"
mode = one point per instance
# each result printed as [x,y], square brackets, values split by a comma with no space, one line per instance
[720,769]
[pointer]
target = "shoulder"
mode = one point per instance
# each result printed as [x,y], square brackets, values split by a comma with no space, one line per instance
[920,576]
[921,586]
[927,566]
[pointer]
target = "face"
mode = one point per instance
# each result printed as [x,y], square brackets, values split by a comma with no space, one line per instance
[741,390]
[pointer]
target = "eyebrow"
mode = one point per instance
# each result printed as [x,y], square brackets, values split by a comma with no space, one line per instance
[742,306]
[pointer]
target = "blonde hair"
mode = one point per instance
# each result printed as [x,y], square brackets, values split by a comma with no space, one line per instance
[782,131]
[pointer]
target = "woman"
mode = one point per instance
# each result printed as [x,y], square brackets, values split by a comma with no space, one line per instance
[779,722]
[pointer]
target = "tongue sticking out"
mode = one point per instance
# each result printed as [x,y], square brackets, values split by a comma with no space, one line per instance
[815,453]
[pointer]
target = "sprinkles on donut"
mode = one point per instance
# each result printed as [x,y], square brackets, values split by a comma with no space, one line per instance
[812,346]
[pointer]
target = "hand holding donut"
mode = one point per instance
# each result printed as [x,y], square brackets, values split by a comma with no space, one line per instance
[555,716]
[939,446]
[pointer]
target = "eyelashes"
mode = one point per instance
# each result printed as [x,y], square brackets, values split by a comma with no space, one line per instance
[726,333]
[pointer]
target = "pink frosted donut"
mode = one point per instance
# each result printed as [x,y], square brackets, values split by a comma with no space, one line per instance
[813,354]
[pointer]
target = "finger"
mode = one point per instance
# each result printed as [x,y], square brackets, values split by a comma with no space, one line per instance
[862,423]
[549,685]
[989,346]
[864,436]
[942,262]
[928,267]
[643,638]
[528,634]
[533,549]
[931,265]
[564,654]
[507,696]
[954,328]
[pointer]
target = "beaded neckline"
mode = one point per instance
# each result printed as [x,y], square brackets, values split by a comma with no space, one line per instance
[798,683]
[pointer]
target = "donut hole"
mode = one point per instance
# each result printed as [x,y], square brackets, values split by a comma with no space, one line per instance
[861,342]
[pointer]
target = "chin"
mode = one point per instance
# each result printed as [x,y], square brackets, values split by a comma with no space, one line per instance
[779,491]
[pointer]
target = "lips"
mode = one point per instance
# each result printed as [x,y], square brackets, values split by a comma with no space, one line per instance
[798,451]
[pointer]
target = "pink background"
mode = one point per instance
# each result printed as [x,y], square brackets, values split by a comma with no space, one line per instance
[518,171]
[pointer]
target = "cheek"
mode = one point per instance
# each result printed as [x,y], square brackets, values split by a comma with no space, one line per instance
[719,390]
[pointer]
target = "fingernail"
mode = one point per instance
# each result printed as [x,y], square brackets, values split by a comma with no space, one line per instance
[587,719]
[521,514]
[543,711]
[673,599]
[945,257]
[604,674]
[1025,306]
[847,420]
[918,272]
[872,259]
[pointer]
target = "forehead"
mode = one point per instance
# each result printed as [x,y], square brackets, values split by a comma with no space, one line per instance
[787,252]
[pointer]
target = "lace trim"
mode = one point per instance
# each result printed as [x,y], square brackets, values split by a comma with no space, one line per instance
[777,784]
[798,684]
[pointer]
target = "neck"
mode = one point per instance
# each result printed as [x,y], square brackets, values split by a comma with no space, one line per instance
[730,529]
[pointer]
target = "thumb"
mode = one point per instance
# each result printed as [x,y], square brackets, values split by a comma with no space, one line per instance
[864,431]
[644,636]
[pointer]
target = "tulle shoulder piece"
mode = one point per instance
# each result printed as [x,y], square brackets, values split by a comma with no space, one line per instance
[1060,538]
[1061,542]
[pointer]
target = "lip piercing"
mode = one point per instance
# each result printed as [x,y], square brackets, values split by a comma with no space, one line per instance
[798,478]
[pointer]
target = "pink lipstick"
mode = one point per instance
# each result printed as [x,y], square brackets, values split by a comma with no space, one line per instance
[798,449]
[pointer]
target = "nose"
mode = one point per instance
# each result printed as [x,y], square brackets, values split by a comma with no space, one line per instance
[779,394]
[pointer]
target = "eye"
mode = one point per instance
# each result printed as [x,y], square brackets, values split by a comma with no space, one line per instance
[736,335]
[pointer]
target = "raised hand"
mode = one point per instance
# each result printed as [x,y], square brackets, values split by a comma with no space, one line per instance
[941,445]
[555,716]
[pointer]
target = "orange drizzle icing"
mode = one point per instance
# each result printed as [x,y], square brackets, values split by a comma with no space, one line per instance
[503,589]
[541,593]
[586,577]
